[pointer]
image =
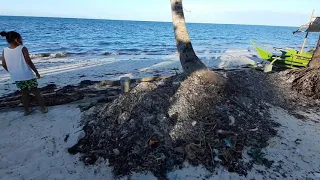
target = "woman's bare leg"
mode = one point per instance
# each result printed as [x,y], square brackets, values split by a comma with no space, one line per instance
[25,101]
[38,95]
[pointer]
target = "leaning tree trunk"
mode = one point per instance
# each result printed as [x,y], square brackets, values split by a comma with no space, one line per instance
[188,58]
[315,62]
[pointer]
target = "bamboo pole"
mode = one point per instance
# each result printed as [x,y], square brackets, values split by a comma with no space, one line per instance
[306,37]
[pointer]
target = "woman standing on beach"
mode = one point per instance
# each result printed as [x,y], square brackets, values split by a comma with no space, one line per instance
[16,60]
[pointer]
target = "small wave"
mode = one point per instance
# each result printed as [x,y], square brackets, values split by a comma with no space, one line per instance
[104,43]
[120,53]
[48,55]
[237,51]
[106,53]
[131,54]
[114,53]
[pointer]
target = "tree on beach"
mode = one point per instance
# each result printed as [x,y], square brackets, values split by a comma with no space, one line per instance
[188,58]
[315,62]
[190,62]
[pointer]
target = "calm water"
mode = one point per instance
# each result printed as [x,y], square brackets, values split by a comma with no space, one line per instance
[82,37]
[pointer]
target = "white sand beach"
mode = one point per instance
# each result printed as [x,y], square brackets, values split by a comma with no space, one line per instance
[35,147]
[219,108]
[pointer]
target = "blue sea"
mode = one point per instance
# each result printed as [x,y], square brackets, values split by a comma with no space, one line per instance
[91,38]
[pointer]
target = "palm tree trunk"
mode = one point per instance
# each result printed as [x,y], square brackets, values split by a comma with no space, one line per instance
[188,58]
[315,62]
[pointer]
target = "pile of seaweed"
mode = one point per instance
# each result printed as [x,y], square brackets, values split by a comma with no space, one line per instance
[206,119]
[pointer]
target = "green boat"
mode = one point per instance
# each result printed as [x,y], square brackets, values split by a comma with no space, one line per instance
[291,58]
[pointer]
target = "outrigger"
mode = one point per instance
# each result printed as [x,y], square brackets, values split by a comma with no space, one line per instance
[291,58]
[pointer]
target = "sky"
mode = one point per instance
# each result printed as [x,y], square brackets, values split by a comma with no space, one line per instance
[257,12]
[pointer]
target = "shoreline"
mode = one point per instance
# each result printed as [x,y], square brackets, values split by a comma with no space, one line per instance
[73,70]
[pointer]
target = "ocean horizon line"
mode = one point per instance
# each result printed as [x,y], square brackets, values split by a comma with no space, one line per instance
[151,21]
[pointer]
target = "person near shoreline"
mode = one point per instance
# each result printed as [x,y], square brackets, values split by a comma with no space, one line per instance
[17,62]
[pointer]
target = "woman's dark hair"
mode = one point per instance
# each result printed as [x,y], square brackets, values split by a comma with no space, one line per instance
[11,36]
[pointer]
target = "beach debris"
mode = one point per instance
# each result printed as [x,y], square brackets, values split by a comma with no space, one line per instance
[228,142]
[66,138]
[65,95]
[298,141]
[81,134]
[90,159]
[153,143]
[232,120]
[225,133]
[45,137]
[116,152]
[179,150]
[299,152]
[217,159]
[258,157]
[73,93]
[160,125]
[272,143]
[254,130]
[316,174]
[125,84]
[191,150]
[306,81]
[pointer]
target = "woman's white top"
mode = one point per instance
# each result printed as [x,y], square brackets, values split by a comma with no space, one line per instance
[18,69]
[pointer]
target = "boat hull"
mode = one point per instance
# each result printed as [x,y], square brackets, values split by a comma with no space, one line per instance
[289,59]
